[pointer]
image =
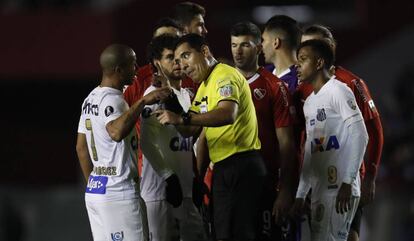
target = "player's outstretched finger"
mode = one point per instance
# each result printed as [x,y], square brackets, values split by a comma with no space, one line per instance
[348,205]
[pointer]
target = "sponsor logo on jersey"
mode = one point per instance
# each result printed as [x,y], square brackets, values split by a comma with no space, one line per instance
[107,171]
[371,104]
[259,93]
[181,144]
[109,110]
[89,108]
[321,115]
[97,184]
[203,108]
[226,91]
[204,99]
[342,235]
[312,122]
[319,145]
[351,104]
[118,236]
[203,104]
[360,88]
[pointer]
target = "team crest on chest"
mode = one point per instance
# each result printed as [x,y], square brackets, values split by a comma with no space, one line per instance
[259,93]
[109,110]
[226,91]
[351,104]
[321,115]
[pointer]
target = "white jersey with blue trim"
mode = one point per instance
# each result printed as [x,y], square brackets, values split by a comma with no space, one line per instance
[115,175]
[165,152]
[328,114]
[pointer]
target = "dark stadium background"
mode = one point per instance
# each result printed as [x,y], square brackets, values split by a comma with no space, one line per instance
[49,62]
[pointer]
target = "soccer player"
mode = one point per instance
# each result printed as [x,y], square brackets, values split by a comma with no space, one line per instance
[224,108]
[272,103]
[281,37]
[168,158]
[191,16]
[372,122]
[336,138]
[145,75]
[106,148]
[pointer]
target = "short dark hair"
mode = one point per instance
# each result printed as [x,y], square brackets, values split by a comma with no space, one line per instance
[246,28]
[323,49]
[194,40]
[167,22]
[321,30]
[184,12]
[158,44]
[288,26]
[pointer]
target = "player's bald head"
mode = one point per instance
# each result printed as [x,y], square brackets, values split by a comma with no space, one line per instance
[116,55]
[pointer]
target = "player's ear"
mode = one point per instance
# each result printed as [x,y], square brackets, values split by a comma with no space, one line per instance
[205,50]
[118,69]
[277,43]
[156,63]
[320,63]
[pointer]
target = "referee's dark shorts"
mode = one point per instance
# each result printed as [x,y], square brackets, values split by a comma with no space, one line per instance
[238,182]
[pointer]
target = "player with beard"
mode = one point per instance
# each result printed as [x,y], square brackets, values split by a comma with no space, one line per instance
[272,103]
[167,174]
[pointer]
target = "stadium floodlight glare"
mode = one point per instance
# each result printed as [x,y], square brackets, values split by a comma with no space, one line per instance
[301,13]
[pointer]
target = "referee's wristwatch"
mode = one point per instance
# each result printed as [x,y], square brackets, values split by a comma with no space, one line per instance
[186,116]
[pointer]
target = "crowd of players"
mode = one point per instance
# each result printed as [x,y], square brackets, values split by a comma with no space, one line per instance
[194,149]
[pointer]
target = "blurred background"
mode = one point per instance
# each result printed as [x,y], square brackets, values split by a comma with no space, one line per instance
[49,62]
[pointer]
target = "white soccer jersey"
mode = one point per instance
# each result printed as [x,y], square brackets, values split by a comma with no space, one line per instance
[326,163]
[165,152]
[114,176]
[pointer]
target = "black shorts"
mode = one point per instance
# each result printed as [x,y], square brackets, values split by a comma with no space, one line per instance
[237,188]
[356,222]
[269,230]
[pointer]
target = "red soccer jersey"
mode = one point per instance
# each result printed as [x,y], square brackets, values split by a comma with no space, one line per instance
[271,99]
[134,92]
[361,92]
[365,104]
[356,84]
[143,79]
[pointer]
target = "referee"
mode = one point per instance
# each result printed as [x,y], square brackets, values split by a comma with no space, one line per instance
[224,109]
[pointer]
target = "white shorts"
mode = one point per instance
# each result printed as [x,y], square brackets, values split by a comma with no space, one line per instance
[326,223]
[166,222]
[118,220]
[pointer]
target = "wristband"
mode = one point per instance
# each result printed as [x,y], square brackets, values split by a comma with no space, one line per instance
[186,116]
